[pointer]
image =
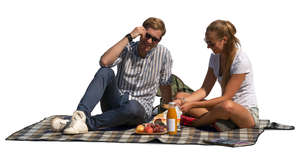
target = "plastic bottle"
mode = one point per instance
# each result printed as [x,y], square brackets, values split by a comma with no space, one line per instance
[172,119]
[179,113]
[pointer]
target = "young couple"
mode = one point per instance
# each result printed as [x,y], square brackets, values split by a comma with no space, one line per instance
[143,67]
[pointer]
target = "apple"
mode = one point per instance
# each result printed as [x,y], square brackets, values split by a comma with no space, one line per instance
[149,130]
[140,128]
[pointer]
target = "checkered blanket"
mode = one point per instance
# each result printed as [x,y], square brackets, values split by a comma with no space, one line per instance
[187,135]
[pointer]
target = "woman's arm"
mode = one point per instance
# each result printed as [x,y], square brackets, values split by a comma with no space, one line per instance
[205,89]
[231,88]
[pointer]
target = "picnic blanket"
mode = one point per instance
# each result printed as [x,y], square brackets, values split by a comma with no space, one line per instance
[41,131]
[187,135]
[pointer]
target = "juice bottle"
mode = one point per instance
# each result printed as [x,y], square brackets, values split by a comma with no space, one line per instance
[172,119]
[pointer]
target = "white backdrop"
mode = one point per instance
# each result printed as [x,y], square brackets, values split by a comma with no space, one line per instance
[50,51]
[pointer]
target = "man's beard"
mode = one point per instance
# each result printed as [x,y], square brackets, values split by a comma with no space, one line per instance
[144,49]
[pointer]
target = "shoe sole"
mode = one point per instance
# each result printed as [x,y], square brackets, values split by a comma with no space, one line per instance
[74,133]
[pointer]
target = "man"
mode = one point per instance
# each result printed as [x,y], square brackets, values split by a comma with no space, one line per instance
[127,98]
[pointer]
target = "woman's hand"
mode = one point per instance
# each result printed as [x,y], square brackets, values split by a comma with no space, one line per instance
[178,102]
[186,107]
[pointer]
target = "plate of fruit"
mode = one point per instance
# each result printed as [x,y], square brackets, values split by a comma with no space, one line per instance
[155,128]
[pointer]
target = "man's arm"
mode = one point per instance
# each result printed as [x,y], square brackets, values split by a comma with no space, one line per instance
[166,93]
[114,52]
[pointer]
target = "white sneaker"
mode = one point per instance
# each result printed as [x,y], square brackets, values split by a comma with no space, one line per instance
[58,124]
[78,125]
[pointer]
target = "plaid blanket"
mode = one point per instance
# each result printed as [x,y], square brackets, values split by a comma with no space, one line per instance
[187,135]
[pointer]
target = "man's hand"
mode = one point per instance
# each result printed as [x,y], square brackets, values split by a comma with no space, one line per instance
[138,31]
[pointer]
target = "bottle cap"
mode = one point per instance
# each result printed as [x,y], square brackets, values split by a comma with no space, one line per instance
[172,103]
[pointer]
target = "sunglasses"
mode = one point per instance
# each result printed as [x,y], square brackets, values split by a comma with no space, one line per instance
[153,38]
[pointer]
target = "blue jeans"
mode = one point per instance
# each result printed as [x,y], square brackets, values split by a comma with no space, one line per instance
[117,110]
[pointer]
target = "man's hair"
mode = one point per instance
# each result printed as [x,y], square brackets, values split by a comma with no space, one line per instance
[156,24]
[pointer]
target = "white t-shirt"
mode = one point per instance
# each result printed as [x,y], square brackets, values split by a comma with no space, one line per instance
[245,96]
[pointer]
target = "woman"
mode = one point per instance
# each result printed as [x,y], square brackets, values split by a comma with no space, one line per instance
[231,67]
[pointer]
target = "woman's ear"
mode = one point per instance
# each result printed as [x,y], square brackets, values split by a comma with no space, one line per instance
[225,39]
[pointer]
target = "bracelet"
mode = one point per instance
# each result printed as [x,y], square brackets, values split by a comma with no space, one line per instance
[129,37]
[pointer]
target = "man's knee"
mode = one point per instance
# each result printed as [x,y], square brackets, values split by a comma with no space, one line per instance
[103,71]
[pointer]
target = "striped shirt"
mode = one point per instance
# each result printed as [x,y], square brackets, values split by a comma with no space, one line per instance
[141,77]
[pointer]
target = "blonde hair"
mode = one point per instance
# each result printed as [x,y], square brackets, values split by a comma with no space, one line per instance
[224,28]
[156,24]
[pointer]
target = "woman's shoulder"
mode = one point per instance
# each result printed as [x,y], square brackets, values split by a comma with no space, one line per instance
[241,57]
[213,60]
[214,56]
[241,63]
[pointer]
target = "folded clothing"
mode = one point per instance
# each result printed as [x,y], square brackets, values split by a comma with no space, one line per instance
[186,120]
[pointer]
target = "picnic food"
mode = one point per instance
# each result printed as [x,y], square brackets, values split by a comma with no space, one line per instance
[149,129]
[159,122]
[163,115]
[152,128]
[140,128]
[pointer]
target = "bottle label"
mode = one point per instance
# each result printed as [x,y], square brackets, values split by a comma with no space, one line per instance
[171,125]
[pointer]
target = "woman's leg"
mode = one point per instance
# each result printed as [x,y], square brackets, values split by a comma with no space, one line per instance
[196,112]
[227,110]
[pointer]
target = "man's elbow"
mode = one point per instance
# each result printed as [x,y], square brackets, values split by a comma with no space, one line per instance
[103,62]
